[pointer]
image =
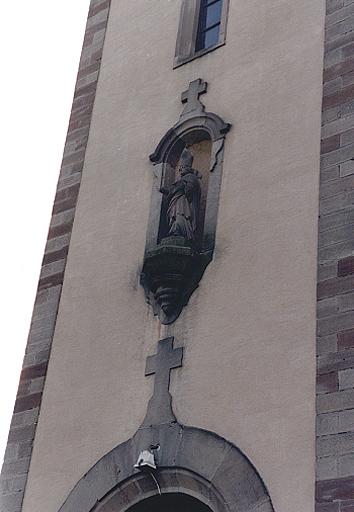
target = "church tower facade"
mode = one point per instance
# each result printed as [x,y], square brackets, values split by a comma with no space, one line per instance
[172,357]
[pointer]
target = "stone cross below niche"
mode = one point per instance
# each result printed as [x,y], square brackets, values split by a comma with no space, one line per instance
[160,404]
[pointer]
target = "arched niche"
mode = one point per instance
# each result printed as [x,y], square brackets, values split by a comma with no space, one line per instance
[190,461]
[189,133]
[172,267]
[199,143]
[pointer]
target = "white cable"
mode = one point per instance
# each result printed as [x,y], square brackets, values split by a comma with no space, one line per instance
[156,482]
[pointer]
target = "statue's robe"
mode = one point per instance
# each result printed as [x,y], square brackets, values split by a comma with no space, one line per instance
[183,207]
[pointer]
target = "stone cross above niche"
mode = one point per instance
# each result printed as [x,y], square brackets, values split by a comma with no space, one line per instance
[160,404]
[191,96]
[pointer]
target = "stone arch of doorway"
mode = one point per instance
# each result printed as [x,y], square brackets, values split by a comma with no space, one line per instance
[172,481]
[189,460]
[173,502]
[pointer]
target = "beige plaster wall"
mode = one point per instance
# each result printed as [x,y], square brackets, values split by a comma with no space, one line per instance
[249,330]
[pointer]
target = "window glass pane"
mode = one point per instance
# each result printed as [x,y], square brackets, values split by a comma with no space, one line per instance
[211,36]
[213,14]
[202,16]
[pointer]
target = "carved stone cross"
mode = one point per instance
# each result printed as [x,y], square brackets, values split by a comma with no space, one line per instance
[160,404]
[191,97]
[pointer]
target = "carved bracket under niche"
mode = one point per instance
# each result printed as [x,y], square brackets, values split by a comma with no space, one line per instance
[183,213]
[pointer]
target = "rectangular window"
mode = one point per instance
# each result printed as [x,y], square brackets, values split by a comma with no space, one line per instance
[202,28]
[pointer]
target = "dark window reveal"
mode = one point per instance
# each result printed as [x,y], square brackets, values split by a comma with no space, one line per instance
[209,24]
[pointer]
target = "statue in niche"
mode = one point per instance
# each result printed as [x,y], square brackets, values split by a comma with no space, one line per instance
[183,200]
[180,242]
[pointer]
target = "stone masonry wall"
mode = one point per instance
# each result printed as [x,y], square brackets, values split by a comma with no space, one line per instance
[335,385]
[27,407]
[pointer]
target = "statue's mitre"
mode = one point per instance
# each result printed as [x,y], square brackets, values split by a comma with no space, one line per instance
[186,158]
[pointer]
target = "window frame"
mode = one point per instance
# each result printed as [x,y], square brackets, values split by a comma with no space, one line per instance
[188,32]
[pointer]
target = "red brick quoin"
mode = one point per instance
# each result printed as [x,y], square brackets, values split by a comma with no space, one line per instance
[335,321]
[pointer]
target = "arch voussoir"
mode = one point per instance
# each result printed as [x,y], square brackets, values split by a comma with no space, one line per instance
[189,460]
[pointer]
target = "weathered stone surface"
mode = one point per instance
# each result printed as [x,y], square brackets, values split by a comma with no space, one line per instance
[346,339]
[327,383]
[346,168]
[327,467]
[327,423]
[335,361]
[346,379]
[327,507]
[326,344]
[331,491]
[335,323]
[335,286]
[335,416]
[336,444]
[340,14]
[337,219]
[28,402]
[327,307]
[25,418]
[249,490]
[330,173]
[192,454]
[12,485]
[338,401]
[346,266]
[33,372]
[346,420]
[345,465]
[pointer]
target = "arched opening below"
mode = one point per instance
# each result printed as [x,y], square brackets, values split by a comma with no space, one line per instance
[171,502]
[195,463]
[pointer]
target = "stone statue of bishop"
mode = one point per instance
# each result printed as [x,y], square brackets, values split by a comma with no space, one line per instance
[184,200]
